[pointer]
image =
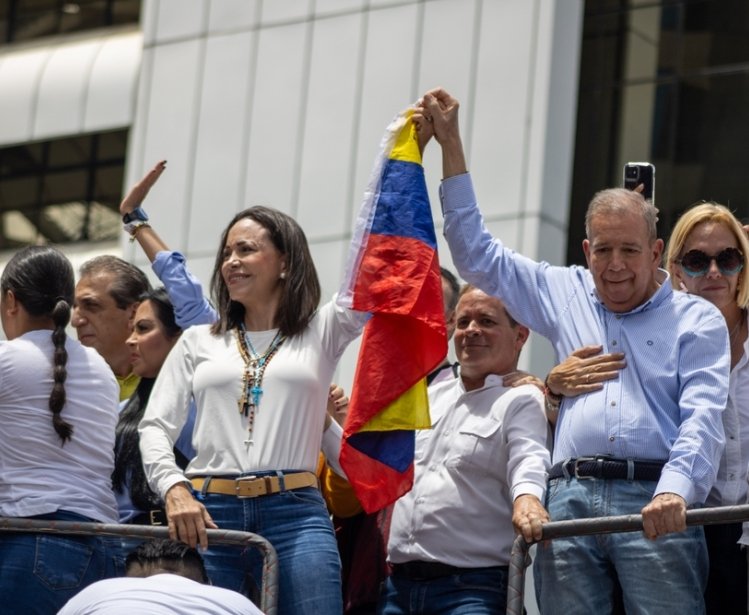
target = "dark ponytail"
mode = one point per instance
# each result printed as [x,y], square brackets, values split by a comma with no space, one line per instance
[60,317]
[41,279]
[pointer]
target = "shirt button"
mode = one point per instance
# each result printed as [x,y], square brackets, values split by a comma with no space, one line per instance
[618,317]
[731,476]
[432,468]
[611,438]
[447,432]
[613,343]
[613,403]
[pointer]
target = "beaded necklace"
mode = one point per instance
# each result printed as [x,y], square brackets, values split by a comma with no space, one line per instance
[252,378]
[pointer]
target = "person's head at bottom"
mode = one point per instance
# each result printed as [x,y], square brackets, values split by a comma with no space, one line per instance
[162,555]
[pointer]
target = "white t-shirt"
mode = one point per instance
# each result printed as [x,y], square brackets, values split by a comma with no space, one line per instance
[288,424]
[38,475]
[159,594]
[486,447]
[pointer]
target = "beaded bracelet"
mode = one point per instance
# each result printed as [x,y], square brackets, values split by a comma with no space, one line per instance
[133,227]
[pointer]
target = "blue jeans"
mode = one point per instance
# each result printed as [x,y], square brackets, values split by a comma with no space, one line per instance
[482,591]
[578,575]
[298,526]
[39,573]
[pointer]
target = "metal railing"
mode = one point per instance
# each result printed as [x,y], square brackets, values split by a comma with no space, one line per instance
[269,582]
[600,525]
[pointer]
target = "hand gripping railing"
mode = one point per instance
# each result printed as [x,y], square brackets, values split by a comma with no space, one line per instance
[269,582]
[600,525]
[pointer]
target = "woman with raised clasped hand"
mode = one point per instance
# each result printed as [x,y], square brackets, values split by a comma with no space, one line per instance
[260,378]
[58,405]
[707,255]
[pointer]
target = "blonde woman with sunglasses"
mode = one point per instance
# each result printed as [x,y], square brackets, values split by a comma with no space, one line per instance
[707,256]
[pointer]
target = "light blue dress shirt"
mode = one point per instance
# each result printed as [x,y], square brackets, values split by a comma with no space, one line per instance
[184,290]
[666,403]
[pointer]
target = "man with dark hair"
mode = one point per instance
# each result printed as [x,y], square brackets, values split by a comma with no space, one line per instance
[162,576]
[161,555]
[478,472]
[105,300]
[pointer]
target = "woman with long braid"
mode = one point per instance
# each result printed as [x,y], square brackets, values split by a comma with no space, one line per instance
[58,407]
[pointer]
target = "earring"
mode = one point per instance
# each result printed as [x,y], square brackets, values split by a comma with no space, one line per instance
[283,275]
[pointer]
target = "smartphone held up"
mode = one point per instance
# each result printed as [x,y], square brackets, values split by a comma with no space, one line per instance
[636,173]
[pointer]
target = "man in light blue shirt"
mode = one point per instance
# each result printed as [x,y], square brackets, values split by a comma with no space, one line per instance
[649,441]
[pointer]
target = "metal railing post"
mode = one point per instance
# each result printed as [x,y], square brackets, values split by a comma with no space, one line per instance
[269,582]
[600,525]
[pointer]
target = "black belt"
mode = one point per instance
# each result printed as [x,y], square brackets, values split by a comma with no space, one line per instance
[425,571]
[151,517]
[604,467]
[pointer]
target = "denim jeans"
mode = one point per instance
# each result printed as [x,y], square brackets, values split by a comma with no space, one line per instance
[482,591]
[39,573]
[298,526]
[578,575]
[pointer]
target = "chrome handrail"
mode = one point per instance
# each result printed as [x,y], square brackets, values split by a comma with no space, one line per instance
[600,525]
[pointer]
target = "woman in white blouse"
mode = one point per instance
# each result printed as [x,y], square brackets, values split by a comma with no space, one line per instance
[58,406]
[260,378]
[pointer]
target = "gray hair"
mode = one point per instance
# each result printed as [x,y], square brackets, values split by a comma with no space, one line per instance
[619,200]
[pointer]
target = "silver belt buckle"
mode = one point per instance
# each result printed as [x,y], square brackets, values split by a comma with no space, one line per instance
[577,462]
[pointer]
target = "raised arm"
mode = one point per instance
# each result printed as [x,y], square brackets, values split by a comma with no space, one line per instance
[441,111]
[185,291]
[138,225]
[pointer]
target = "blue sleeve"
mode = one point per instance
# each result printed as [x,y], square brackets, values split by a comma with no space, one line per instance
[534,293]
[184,290]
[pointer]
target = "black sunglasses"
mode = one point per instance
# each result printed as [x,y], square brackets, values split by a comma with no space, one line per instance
[696,263]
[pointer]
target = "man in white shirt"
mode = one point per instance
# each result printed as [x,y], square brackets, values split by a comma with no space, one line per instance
[480,470]
[163,577]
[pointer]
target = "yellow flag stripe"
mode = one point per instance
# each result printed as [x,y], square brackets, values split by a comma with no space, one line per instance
[409,411]
[406,146]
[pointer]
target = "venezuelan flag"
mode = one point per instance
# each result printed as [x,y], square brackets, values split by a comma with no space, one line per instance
[393,274]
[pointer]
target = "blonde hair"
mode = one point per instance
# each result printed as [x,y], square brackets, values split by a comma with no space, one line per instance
[717,214]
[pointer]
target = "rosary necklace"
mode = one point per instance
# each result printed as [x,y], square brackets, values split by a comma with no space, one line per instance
[252,378]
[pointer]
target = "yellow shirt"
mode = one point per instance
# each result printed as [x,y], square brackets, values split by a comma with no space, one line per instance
[128,384]
[338,493]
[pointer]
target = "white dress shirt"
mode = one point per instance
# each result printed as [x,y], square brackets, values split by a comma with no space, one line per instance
[486,447]
[731,483]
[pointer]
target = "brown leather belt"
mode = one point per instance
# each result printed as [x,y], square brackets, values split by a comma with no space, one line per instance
[254,486]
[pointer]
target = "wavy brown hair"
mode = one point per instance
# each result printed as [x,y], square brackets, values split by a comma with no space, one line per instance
[300,294]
